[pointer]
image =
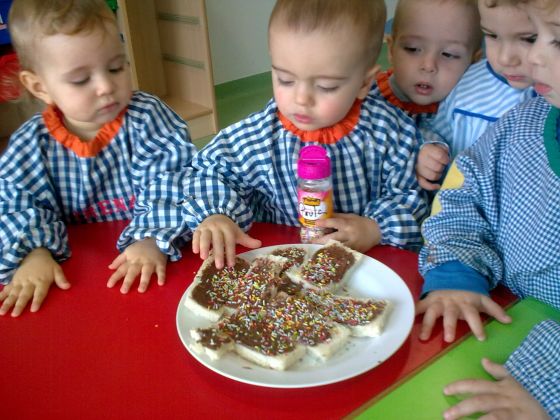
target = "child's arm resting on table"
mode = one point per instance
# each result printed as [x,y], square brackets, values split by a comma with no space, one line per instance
[504,398]
[456,291]
[220,234]
[140,258]
[527,387]
[159,163]
[31,281]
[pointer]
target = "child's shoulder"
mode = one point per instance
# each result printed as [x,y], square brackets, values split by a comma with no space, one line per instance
[376,111]
[28,138]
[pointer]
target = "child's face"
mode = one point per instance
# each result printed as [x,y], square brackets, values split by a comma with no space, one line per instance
[430,51]
[544,55]
[317,76]
[508,35]
[86,76]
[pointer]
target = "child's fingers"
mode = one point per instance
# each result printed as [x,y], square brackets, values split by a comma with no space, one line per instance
[229,246]
[477,404]
[472,317]
[248,241]
[428,322]
[497,370]
[118,261]
[8,298]
[495,310]
[161,274]
[25,295]
[196,242]
[218,249]
[131,274]
[116,276]
[60,279]
[427,185]
[450,315]
[39,296]
[205,243]
[145,276]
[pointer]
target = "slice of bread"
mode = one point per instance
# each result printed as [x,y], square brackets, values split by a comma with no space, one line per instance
[209,292]
[211,342]
[339,336]
[281,361]
[328,268]
[365,317]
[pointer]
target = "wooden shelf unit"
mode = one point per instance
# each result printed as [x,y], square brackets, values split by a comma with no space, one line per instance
[169,52]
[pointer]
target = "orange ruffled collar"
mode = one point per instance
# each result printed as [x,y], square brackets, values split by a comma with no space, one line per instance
[55,125]
[326,135]
[385,88]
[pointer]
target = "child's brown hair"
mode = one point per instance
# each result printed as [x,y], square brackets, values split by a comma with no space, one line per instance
[471,6]
[30,19]
[366,16]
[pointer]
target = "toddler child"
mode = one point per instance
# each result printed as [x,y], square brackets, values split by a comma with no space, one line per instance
[495,228]
[488,89]
[98,152]
[432,44]
[323,55]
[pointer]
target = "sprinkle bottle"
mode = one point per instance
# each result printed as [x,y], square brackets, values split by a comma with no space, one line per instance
[314,191]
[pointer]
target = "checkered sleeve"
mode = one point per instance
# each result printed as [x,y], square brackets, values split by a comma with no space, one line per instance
[466,207]
[400,204]
[228,171]
[30,216]
[160,160]
[535,365]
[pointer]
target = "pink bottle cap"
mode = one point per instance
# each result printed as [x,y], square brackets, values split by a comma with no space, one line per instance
[313,163]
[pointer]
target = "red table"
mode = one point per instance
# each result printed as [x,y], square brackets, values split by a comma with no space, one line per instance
[92,353]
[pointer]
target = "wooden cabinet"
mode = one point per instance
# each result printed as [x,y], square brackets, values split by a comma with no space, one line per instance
[169,52]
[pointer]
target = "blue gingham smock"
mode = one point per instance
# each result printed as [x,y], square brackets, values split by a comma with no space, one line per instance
[535,364]
[478,100]
[136,176]
[248,173]
[502,224]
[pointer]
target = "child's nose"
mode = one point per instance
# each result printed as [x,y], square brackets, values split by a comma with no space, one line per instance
[104,86]
[507,56]
[304,95]
[429,63]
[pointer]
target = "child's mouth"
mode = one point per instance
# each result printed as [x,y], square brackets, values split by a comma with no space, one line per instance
[302,119]
[423,89]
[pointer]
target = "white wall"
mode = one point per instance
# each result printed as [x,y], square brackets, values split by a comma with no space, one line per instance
[238,36]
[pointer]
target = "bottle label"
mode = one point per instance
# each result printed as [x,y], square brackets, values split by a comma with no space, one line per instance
[313,206]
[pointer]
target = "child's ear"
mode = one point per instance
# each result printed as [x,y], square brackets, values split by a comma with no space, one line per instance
[368,81]
[35,86]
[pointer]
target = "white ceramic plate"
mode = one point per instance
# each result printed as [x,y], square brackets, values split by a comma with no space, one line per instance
[370,278]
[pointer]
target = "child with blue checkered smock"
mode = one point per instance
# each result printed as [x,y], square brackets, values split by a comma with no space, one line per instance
[323,63]
[98,152]
[431,45]
[488,89]
[490,226]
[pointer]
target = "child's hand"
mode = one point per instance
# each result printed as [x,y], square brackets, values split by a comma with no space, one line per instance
[456,304]
[357,232]
[431,163]
[504,399]
[32,280]
[219,232]
[142,257]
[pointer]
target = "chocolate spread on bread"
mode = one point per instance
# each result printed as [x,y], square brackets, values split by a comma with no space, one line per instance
[327,266]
